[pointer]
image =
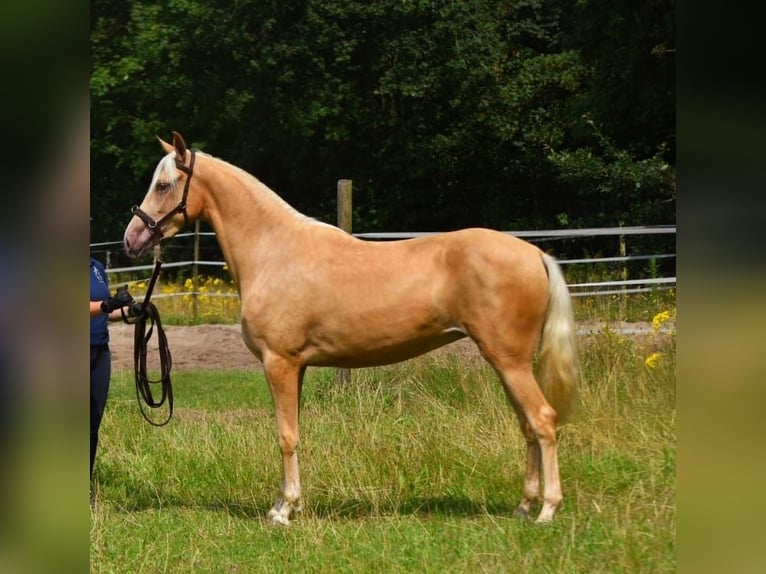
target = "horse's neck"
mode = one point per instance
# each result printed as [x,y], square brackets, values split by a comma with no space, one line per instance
[246,215]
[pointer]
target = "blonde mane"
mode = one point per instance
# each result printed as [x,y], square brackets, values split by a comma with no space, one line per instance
[271,196]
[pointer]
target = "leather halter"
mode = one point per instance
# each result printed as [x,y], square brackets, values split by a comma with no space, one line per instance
[154,226]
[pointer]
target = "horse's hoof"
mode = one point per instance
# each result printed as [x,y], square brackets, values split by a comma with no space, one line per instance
[280,520]
[521,513]
[547,513]
[544,520]
[276,517]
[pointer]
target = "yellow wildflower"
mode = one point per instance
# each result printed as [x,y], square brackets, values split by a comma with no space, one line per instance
[653,360]
[659,320]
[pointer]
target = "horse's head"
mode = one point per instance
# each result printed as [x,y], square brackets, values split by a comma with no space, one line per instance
[165,209]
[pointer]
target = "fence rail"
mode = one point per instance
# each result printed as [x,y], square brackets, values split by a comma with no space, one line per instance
[622,286]
[541,235]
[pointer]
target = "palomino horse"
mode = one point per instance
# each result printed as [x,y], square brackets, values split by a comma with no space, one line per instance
[312,294]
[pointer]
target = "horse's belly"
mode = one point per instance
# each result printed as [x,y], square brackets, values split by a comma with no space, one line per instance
[369,351]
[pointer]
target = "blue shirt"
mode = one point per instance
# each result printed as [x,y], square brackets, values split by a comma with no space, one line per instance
[99,290]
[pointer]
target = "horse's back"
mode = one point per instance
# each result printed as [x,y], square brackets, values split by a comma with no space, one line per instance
[458,249]
[492,245]
[441,268]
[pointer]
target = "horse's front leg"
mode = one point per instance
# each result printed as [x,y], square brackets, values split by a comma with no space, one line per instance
[285,380]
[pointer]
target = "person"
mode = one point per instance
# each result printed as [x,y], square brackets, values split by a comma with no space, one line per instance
[104,307]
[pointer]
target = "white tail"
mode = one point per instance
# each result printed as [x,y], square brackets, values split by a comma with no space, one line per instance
[558,347]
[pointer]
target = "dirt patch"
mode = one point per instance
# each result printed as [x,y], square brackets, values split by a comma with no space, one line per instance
[197,347]
[220,347]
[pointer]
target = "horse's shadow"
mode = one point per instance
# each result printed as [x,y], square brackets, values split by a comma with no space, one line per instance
[345,509]
[445,505]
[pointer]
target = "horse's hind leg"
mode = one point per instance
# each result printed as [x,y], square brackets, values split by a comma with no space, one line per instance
[532,474]
[538,421]
[285,379]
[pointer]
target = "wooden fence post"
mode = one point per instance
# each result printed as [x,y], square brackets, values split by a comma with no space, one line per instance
[623,274]
[624,253]
[195,273]
[344,222]
[344,204]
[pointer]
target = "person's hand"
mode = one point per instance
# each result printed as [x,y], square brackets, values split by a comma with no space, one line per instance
[136,310]
[121,298]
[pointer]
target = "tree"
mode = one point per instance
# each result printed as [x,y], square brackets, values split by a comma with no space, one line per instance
[445,114]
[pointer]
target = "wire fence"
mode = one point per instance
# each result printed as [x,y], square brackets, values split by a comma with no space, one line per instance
[607,265]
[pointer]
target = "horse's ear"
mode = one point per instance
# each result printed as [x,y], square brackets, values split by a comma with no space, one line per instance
[180,145]
[165,145]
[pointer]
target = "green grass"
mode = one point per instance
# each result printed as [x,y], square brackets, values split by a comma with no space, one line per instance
[415,467]
[634,307]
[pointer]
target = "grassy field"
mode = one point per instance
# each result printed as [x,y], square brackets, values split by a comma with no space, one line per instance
[414,467]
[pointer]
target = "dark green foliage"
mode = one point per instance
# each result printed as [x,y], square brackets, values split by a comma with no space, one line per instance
[533,114]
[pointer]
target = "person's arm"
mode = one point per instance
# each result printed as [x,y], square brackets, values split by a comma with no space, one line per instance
[95,308]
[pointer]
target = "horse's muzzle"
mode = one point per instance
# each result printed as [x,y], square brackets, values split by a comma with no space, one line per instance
[138,242]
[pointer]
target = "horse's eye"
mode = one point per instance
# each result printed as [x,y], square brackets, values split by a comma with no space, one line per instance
[163,186]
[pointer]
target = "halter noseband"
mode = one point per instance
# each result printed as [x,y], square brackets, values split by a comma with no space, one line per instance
[155,227]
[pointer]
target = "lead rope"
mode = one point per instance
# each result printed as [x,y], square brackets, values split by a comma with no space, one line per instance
[151,315]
